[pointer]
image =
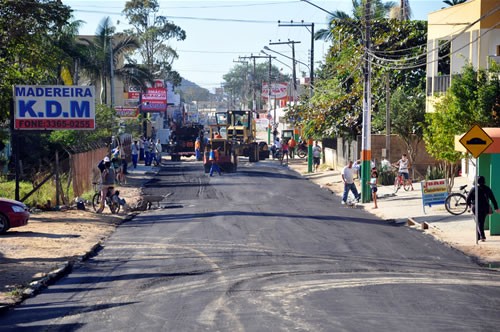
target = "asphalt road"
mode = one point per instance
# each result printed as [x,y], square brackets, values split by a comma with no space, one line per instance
[263,250]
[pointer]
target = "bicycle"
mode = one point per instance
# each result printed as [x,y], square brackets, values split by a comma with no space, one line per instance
[399,182]
[456,203]
[112,198]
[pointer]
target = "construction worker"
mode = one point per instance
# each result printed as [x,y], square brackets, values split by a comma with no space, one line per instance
[214,158]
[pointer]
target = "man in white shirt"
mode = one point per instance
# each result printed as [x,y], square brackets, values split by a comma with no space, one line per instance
[348,178]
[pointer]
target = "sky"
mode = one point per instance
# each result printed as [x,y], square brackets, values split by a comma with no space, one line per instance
[219,33]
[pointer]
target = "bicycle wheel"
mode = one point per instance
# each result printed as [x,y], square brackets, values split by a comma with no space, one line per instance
[456,204]
[406,185]
[302,154]
[96,201]
[113,205]
[397,184]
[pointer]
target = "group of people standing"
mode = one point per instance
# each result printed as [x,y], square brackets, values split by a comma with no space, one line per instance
[147,150]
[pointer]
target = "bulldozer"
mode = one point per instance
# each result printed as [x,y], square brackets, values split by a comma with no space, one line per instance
[241,132]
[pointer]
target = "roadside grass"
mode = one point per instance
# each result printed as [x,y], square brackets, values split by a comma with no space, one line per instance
[45,193]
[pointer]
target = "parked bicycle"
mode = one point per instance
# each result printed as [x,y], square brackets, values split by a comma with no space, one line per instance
[456,203]
[400,181]
[112,198]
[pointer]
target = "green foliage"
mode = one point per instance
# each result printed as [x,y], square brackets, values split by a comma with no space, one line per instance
[240,80]
[45,193]
[154,31]
[106,126]
[386,176]
[435,172]
[337,105]
[28,54]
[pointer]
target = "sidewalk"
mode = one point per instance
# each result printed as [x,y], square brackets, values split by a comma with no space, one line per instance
[406,207]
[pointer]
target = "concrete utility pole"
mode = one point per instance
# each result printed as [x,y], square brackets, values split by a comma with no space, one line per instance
[366,152]
[253,57]
[294,75]
[307,25]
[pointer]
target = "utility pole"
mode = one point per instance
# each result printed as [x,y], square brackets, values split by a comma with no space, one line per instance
[366,153]
[253,57]
[307,25]
[294,75]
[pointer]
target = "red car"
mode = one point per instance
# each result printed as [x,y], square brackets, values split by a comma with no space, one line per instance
[12,214]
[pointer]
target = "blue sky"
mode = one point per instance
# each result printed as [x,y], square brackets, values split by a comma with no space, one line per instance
[218,32]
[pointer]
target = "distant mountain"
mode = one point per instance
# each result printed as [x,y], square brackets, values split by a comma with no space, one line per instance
[190,92]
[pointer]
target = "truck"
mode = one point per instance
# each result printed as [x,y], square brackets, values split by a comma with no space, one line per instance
[182,141]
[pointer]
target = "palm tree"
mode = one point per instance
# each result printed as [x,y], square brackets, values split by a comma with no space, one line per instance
[107,50]
[453,2]
[401,12]
[379,10]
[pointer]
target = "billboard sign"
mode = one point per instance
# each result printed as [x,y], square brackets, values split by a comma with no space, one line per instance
[278,90]
[154,100]
[127,112]
[54,107]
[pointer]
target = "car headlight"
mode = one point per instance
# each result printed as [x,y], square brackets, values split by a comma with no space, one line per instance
[17,208]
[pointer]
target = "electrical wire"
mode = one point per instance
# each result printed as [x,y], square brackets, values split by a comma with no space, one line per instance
[439,58]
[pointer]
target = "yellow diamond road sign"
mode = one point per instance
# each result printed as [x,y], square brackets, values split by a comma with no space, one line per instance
[476,140]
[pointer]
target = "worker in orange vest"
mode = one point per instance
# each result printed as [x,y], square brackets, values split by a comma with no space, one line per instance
[291,147]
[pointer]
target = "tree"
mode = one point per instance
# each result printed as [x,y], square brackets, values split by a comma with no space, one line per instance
[379,11]
[154,31]
[401,12]
[407,118]
[473,98]
[392,40]
[96,61]
[240,80]
[28,54]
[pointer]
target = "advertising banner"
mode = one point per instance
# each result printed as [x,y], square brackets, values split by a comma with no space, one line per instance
[154,100]
[127,112]
[278,90]
[54,107]
[433,192]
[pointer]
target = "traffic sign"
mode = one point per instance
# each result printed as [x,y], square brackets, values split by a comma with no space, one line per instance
[476,141]
[269,116]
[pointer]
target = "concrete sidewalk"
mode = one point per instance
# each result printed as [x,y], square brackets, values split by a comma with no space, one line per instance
[406,207]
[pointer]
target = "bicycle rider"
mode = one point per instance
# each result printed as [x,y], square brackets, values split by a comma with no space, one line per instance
[107,181]
[404,165]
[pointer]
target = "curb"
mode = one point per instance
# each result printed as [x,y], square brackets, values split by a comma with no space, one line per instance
[421,225]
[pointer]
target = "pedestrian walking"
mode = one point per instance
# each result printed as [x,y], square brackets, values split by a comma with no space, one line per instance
[152,152]
[214,158]
[147,152]
[292,143]
[158,151]
[348,178]
[484,195]
[134,151]
[373,186]
[284,147]
[316,156]
[197,148]
[141,148]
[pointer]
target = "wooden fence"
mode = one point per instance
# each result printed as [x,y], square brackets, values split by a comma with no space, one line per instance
[83,169]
